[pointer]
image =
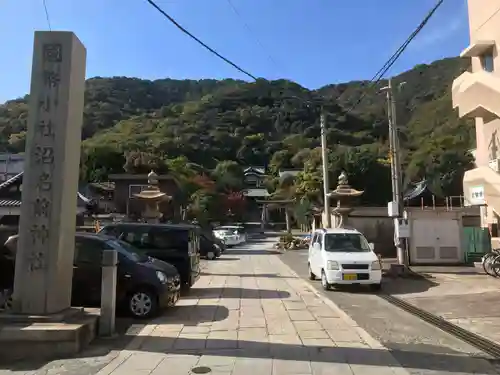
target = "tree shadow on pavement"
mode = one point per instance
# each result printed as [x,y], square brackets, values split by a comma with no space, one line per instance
[409,356]
[262,275]
[252,252]
[223,258]
[240,293]
[189,316]
[432,359]
[395,286]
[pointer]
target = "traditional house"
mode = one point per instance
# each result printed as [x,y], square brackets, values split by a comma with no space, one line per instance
[10,165]
[10,202]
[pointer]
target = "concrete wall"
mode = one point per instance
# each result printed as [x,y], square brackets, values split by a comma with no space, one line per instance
[379,229]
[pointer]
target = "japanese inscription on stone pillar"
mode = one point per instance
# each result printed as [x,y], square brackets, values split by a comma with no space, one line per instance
[43,155]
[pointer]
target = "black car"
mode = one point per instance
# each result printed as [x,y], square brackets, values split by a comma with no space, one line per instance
[209,248]
[209,234]
[177,244]
[144,285]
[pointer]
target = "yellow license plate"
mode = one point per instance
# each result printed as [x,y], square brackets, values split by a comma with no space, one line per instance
[350,276]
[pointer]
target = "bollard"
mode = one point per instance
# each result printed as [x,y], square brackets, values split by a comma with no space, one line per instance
[108,293]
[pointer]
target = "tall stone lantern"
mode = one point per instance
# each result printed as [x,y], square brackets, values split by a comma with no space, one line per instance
[152,197]
[344,195]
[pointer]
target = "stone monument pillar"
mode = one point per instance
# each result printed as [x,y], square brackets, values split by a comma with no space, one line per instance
[44,261]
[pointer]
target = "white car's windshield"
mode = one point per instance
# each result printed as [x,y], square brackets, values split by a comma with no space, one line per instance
[346,243]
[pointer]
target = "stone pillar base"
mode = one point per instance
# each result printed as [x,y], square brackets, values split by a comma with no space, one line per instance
[43,337]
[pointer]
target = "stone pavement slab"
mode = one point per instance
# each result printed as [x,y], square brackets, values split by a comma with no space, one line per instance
[252,314]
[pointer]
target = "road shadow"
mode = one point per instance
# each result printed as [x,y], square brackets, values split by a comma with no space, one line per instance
[224,259]
[263,275]
[395,286]
[189,316]
[252,252]
[407,356]
[238,293]
[174,342]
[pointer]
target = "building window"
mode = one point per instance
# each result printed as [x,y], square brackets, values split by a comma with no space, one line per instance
[135,189]
[487,62]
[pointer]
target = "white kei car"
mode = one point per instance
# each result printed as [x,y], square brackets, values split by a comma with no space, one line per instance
[230,235]
[343,256]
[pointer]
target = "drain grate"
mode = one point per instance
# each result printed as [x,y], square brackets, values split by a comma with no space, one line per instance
[487,346]
[201,370]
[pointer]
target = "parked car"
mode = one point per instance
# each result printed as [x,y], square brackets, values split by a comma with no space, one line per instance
[231,235]
[177,244]
[144,285]
[208,248]
[209,234]
[343,256]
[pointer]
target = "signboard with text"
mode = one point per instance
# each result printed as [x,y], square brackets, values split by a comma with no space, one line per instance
[476,197]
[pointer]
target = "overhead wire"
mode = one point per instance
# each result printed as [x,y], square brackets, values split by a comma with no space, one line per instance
[47,14]
[185,31]
[487,20]
[392,60]
[252,33]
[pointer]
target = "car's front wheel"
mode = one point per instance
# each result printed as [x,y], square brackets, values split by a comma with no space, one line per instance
[211,255]
[324,281]
[376,287]
[143,304]
[312,276]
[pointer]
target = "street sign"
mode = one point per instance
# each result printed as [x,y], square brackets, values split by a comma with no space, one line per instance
[476,197]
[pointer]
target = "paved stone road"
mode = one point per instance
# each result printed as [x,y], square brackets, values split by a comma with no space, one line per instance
[420,347]
[250,313]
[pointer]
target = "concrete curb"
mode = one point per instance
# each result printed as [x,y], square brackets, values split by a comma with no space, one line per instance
[372,342]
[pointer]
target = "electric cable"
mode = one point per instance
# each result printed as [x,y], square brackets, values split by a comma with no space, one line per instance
[47,14]
[185,31]
[252,33]
[392,60]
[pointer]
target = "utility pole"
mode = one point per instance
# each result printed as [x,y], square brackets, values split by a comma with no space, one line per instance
[326,180]
[396,176]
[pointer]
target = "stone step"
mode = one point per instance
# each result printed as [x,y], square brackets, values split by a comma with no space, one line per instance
[46,340]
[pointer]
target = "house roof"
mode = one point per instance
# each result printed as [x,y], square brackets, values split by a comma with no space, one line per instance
[131,176]
[255,170]
[11,180]
[289,172]
[418,189]
[256,193]
[10,203]
[81,199]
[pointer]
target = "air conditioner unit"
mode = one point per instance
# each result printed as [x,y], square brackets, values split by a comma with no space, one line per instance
[494,164]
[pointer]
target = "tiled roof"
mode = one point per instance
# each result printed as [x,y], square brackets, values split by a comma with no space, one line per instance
[256,193]
[17,203]
[10,181]
[10,203]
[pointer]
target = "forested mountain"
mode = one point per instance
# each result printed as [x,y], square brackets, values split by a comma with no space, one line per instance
[274,123]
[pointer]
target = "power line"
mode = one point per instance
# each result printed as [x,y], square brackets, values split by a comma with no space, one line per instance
[250,31]
[392,60]
[47,14]
[488,19]
[172,20]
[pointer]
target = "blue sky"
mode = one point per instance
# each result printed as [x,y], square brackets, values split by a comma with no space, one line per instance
[313,42]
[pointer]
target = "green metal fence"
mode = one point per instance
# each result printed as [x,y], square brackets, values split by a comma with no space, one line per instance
[477,242]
